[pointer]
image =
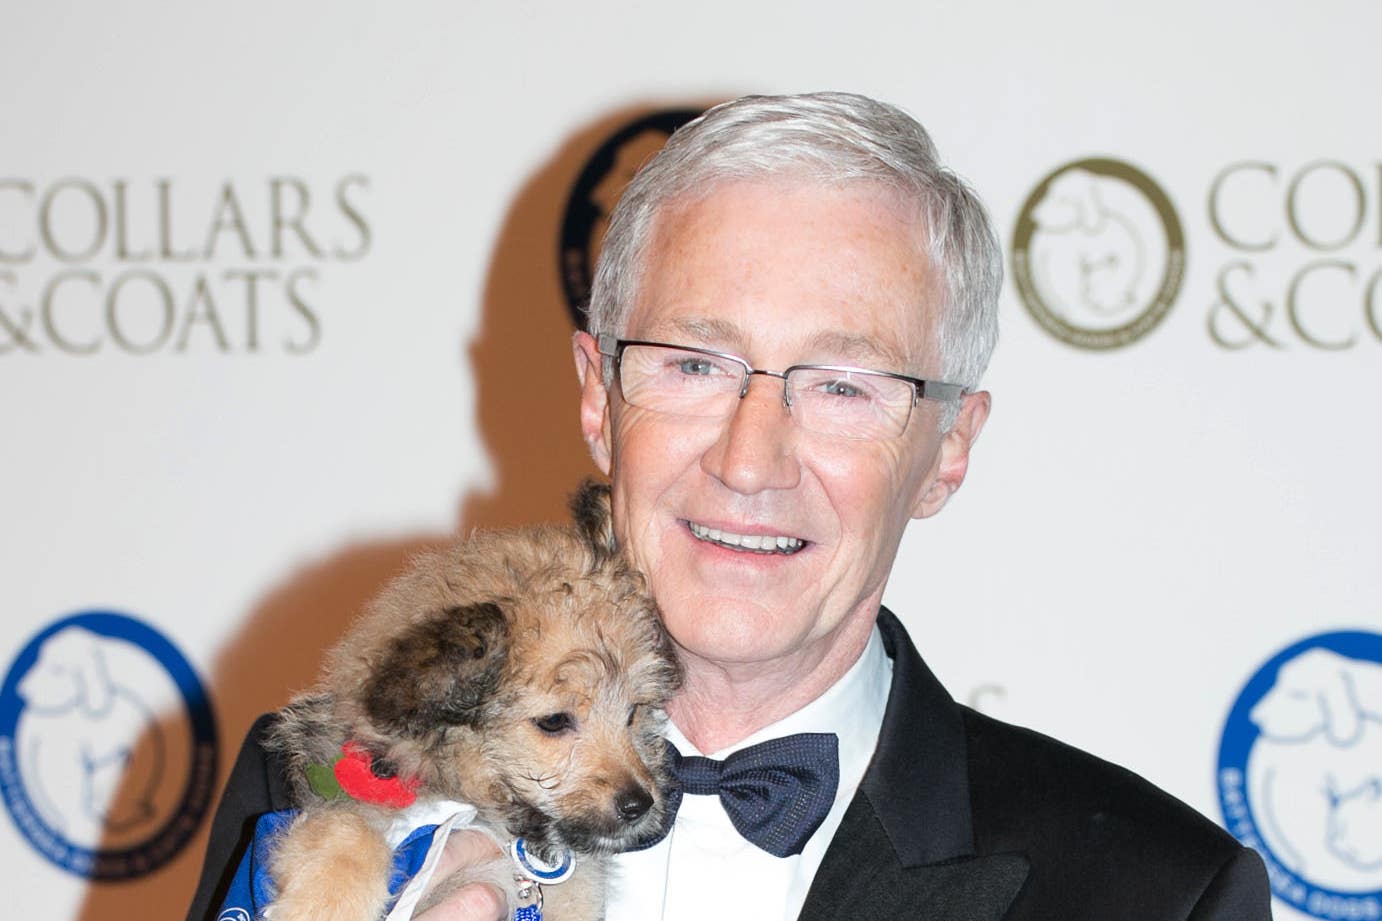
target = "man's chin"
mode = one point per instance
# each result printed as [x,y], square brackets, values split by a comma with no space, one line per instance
[732,635]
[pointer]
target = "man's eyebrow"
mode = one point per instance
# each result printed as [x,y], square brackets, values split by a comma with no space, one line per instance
[832,347]
[701,331]
[864,350]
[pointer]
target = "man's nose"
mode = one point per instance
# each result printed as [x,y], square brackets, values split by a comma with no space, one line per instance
[756,447]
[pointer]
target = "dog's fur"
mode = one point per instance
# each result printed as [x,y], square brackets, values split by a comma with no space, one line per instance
[523,672]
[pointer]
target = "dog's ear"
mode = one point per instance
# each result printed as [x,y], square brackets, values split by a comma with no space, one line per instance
[590,507]
[440,671]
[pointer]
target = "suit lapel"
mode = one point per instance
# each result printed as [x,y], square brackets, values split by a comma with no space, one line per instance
[861,877]
[906,845]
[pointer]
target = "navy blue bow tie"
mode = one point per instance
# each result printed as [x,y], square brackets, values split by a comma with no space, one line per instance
[776,793]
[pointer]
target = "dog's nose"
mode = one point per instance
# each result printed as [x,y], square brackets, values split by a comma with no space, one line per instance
[632,803]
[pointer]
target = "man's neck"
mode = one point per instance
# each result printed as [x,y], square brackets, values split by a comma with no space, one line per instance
[721,704]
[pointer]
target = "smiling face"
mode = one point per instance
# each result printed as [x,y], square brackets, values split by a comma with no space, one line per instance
[765,543]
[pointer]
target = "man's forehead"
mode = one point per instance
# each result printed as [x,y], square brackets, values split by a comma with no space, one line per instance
[834,273]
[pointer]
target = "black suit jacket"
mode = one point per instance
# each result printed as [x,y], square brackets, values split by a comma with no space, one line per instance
[963,818]
[959,818]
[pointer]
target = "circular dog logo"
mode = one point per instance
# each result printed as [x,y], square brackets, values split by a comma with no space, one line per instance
[1300,773]
[107,746]
[595,193]
[1098,254]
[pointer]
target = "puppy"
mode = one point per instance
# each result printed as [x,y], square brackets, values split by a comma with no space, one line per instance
[521,672]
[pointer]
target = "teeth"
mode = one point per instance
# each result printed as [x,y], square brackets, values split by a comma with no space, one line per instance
[759,543]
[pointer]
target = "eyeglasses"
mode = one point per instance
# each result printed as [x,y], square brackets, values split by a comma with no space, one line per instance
[829,399]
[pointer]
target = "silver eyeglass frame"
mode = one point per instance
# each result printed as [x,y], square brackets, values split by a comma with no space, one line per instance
[613,348]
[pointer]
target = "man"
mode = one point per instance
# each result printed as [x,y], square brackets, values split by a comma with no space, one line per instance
[791,315]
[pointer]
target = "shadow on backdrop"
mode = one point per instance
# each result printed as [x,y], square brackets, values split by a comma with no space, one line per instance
[526,394]
[527,398]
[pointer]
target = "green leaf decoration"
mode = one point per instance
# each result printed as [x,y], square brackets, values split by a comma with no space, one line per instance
[322,779]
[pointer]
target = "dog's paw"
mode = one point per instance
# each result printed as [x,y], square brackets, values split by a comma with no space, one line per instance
[330,866]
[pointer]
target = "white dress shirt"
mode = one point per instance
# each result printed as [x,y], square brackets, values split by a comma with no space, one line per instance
[704,870]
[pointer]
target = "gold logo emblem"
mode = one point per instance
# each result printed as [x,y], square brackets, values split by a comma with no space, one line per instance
[1098,254]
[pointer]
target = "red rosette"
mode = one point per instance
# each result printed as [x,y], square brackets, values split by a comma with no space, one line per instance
[354,771]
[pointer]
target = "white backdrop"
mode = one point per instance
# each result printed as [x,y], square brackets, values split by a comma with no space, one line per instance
[280,303]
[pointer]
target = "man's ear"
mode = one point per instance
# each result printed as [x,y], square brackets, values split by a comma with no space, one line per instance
[952,463]
[594,400]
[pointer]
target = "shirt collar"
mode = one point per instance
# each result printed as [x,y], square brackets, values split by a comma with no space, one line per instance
[852,708]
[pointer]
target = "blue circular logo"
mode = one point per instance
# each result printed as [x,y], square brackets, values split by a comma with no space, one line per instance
[107,746]
[1300,773]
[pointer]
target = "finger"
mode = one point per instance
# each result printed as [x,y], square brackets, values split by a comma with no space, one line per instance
[473,902]
[464,849]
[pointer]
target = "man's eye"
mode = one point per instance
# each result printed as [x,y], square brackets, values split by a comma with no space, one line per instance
[554,723]
[697,366]
[843,388]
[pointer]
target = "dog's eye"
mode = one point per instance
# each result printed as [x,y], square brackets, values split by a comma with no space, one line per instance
[554,723]
[633,711]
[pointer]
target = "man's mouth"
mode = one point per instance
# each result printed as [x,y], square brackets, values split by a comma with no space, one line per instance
[755,543]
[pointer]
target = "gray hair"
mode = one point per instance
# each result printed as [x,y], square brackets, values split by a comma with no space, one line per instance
[831,138]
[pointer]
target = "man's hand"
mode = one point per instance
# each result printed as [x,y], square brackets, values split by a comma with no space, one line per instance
[474,901]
